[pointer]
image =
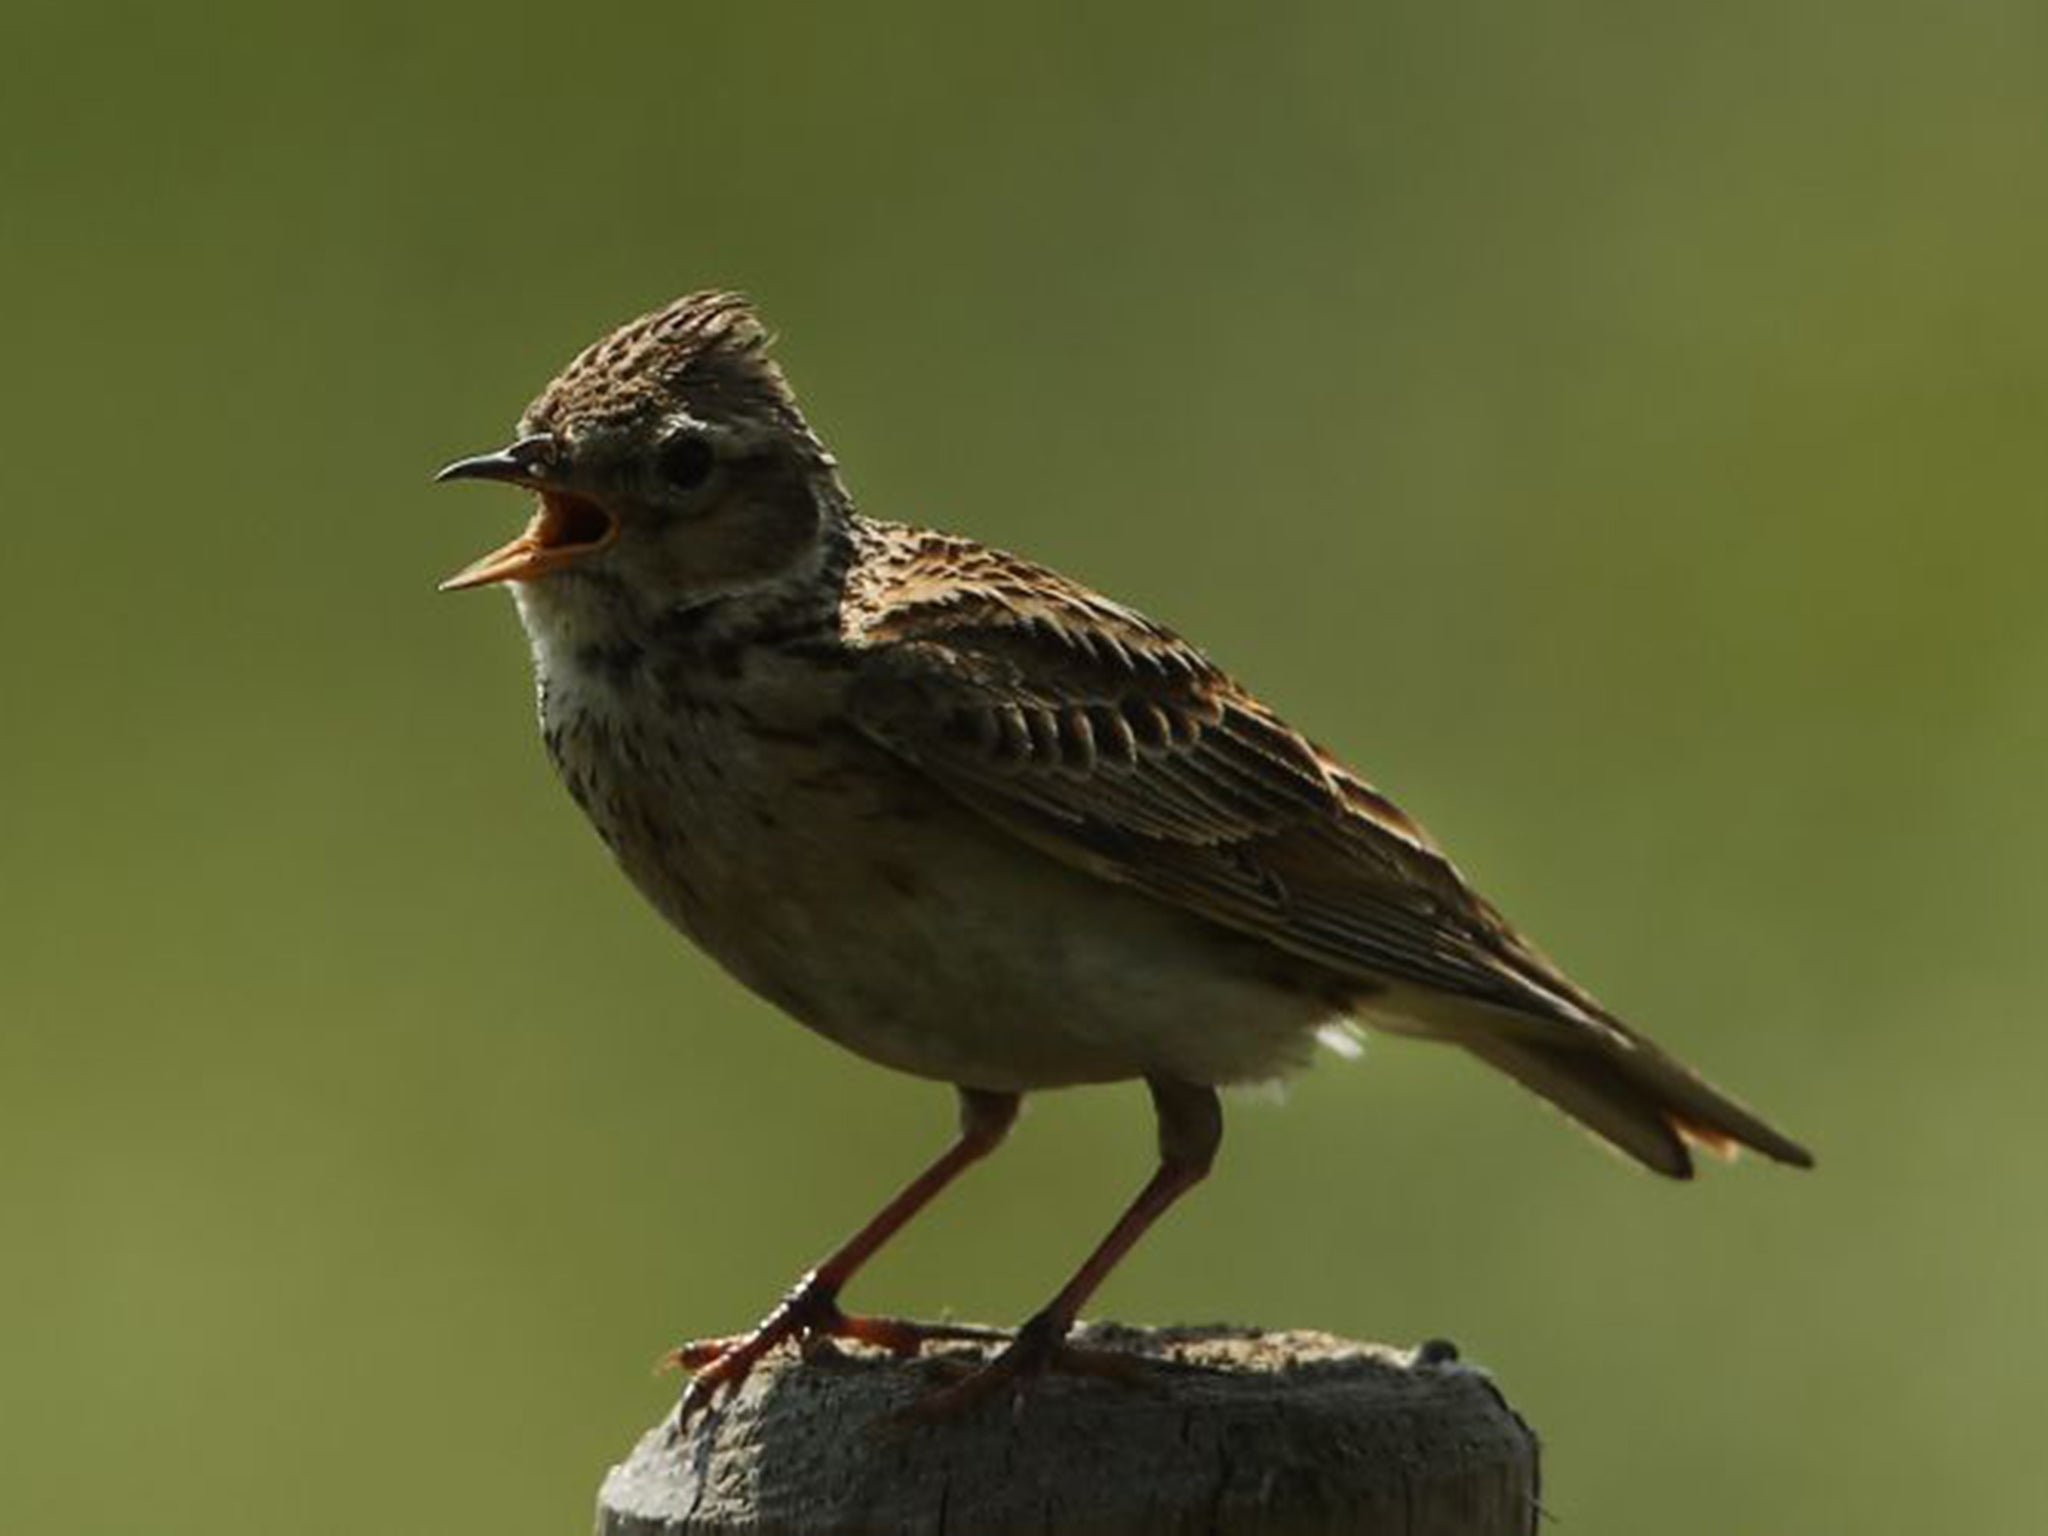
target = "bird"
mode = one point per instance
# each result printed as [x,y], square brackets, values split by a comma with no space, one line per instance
[978,823]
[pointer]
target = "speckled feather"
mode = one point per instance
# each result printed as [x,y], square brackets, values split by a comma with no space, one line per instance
[1105,739]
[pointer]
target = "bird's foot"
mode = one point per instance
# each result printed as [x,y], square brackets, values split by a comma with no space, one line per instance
[807,1317]
[1040,1348]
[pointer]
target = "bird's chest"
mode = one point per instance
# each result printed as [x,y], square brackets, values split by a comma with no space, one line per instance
[742,807]
[844,887]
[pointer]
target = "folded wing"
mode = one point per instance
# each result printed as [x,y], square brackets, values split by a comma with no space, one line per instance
[1106,741]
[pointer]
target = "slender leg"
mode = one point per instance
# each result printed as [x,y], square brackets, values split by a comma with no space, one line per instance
[811,1309]
[1190,1130]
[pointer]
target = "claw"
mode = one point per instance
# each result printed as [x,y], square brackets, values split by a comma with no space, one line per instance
[720,1365]
[1039,1349]
[807,1317]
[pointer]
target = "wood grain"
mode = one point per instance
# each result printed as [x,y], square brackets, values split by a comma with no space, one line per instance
[1228,1430]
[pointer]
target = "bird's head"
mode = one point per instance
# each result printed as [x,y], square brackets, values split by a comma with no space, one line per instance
[671,463]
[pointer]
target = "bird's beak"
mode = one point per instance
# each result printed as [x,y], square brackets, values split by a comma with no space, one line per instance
[514,465]
[566,528]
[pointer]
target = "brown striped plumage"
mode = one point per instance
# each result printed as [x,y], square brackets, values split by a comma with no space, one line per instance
[970,818]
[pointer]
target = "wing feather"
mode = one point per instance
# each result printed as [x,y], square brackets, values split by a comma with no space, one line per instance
[1105,740]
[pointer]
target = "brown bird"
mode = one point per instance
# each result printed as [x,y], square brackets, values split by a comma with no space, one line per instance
[978,823]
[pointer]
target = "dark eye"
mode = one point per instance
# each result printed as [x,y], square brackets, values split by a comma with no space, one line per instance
[686,461]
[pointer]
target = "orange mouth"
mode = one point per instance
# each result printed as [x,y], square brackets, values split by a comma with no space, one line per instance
[564,530]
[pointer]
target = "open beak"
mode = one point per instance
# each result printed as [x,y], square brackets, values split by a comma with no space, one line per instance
[566,528]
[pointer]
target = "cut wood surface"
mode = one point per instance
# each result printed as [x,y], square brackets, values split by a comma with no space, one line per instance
[1226,1430]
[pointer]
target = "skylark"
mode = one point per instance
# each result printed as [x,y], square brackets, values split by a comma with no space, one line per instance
[976,822]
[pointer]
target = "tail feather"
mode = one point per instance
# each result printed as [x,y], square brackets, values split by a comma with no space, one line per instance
[1635,1096]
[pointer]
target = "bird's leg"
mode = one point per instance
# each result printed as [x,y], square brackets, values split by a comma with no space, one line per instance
[1190,1130]
[811,1309]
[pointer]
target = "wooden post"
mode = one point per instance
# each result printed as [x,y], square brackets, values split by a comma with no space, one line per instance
[1231,1430]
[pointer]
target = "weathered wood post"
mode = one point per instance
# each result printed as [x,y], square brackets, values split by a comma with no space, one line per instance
[1230,1431]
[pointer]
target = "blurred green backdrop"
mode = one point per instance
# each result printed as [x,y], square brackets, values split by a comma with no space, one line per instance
[1617,429]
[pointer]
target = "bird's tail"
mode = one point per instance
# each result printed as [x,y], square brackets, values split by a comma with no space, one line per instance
[1633,1095]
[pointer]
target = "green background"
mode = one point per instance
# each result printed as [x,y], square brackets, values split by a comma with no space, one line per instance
[1618,429]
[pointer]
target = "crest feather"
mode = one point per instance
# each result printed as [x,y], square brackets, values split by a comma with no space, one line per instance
[706,353]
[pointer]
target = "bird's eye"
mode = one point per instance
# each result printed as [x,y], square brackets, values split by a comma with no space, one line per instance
[686,461]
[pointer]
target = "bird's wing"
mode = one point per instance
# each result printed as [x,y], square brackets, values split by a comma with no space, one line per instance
[1106,741]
